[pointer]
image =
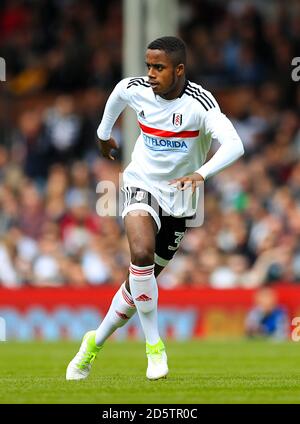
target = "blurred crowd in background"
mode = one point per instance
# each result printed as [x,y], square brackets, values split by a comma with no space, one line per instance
[63,59]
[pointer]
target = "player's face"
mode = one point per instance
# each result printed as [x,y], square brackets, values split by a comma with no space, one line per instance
[164,78]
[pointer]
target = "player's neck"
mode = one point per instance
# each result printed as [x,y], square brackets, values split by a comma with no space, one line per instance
[177,91]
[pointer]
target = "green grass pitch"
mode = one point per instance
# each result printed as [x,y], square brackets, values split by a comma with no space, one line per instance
[200,372]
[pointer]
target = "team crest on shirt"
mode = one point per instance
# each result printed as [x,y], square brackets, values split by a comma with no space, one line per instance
[140,195]
[177,119]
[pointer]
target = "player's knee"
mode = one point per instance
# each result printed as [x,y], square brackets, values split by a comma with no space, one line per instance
[142,256]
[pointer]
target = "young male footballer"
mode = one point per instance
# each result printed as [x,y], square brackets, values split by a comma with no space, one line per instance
[178,121]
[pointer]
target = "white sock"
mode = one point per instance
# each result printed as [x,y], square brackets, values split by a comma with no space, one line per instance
[144,292]
[121,310]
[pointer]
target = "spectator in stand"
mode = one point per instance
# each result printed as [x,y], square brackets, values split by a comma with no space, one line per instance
[79,223]
[8,274]
[267,319]
[46,269]
[55,192]
[32,213]
[63,127]
[31,145]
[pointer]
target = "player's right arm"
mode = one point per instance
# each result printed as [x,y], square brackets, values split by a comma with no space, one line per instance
[115,105]
[106,146]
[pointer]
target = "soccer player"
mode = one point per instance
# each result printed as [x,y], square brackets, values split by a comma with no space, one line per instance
[178,120]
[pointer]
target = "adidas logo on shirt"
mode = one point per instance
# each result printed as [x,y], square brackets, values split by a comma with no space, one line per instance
[142,114]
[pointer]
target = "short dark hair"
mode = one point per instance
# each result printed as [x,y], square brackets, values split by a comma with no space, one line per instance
[173,46]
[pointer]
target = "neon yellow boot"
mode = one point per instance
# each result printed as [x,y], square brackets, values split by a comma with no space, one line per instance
[80,366]
[157,361]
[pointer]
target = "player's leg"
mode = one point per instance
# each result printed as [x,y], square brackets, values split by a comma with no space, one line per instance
[141,231]
[122,308]
[168,239]
[157,270]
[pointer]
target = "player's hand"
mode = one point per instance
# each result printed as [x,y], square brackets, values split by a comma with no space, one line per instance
[107,146]
[194,180]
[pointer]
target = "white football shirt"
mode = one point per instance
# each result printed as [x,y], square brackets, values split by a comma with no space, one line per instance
[174,140]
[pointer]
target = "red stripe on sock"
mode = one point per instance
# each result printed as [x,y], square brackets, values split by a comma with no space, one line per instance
[123,316]
[144,272]
[141,275]
[141,272]
[127,298]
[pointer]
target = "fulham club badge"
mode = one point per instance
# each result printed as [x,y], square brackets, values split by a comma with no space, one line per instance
[140,195]
[177,119]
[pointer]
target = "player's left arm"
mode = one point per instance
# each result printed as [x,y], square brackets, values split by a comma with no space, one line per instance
[219,127]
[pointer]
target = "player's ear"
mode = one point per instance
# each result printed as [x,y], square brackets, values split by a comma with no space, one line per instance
[180,70]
